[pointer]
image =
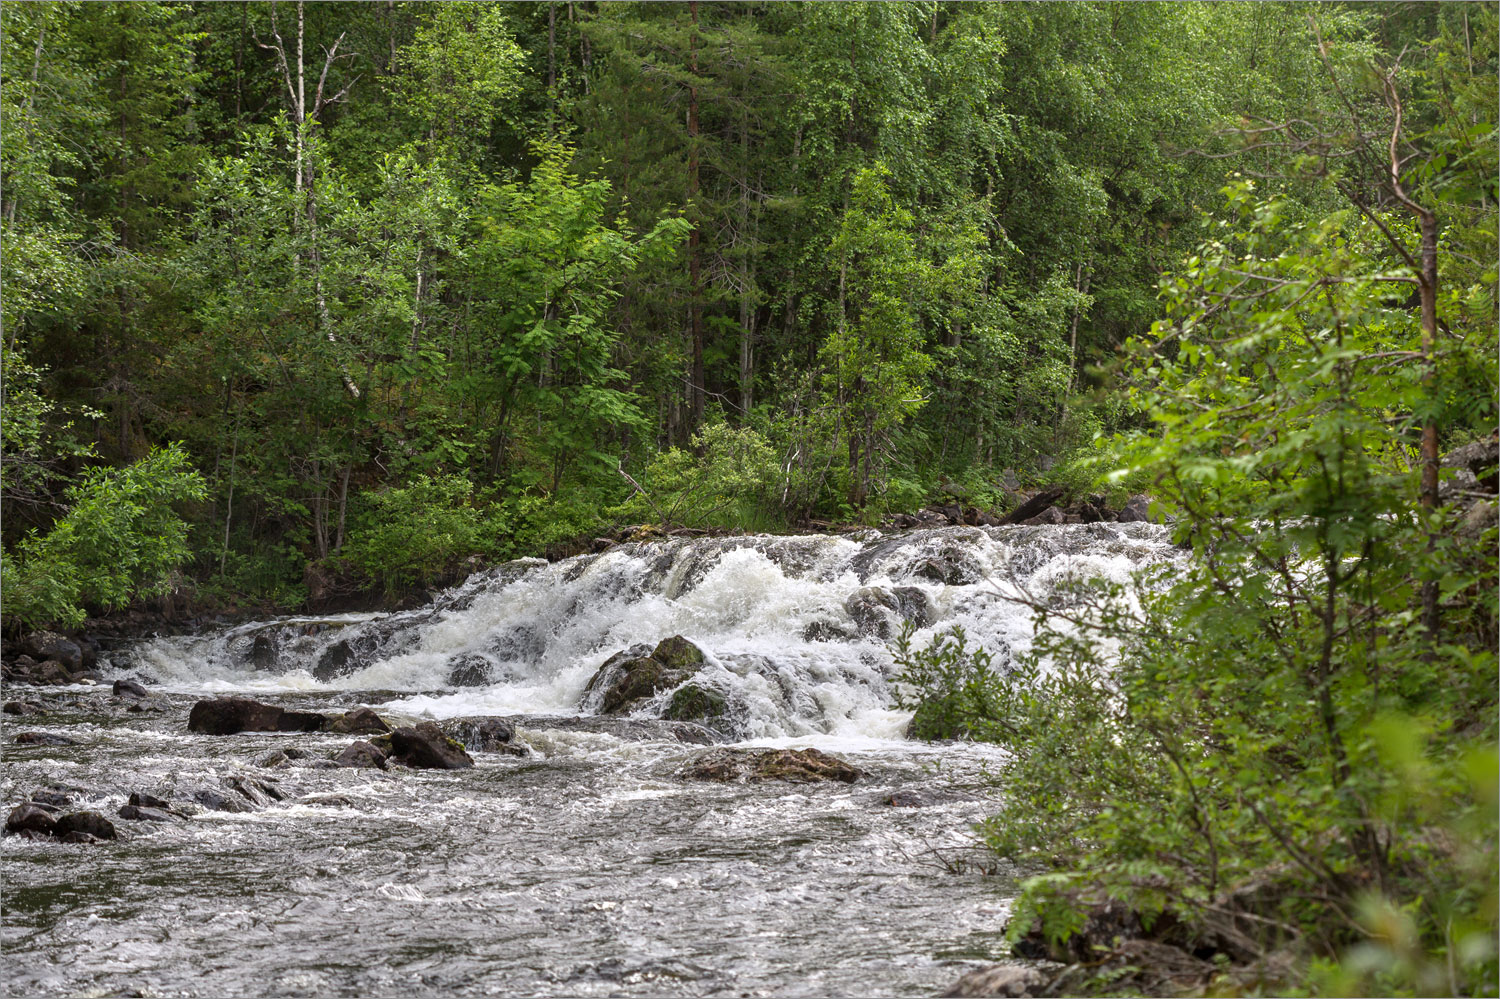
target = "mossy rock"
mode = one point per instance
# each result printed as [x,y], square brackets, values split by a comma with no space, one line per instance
[640,679]
[677,653]
[692,702]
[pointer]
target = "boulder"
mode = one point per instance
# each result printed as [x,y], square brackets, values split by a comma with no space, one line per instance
[23,708]
[218,801]
[1051,515]
[1481,459]
[1480,517]
[361,755]
[228,715]
[336,660]
[797,765]
[128,688]
[876,610]
[44,645]
[144,800]
[487,734]
[29,817]
[695,702]
[469,671]
[87,823]
[1137,509]
[265,654]
[1016,981]
[43,739]
[50,673]
[628,678]
[52,800]
[426,746]
[144,813]
[677,653]
[357,721]
[1033,506]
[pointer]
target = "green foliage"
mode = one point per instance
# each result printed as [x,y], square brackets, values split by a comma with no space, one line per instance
[951,687]
[120,539]
[415,534]
[1273,708]
[726,480]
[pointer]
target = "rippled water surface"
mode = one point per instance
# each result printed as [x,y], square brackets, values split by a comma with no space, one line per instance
[589,867]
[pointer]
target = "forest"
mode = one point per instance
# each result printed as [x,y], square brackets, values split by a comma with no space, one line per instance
[317,307]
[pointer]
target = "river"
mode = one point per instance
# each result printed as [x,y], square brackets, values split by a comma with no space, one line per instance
[588,867]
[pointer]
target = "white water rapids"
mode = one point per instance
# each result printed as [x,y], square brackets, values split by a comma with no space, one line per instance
[591,866]
[778,617]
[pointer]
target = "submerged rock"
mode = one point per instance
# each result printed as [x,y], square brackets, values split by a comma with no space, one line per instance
[228,715]
[797,765]
[880,612]
[43,739]
[218,801]
[426,746]
[264,652]
[24,708]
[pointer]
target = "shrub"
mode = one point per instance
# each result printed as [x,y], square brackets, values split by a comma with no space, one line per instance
[725,482]
[120,539]
[417,533]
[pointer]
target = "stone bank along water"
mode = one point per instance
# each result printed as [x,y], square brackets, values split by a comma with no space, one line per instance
[588,867]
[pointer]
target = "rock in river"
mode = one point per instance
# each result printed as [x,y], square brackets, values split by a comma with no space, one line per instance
[29,817]
[357,721]
[88,823]
[361,755]
[228,715]
[798,765]
[426,746]
[630,677]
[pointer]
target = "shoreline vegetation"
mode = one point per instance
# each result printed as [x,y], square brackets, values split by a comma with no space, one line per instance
[324,306]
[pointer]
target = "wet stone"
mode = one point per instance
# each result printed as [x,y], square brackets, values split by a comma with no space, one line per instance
[145,800]
[140,813]
[361,755]
[358,720]
[43,739]
[30,818]
[218,801]
[128,688]
[24,708]
[427,746]
[229,715]
[88,823]
[796,765]
[52,799]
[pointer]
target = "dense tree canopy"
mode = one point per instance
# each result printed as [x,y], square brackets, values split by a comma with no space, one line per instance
[338,250]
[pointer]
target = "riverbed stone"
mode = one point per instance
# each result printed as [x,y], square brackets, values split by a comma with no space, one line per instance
[142,813]
[43,739]
[217,801]
[30,817]
[144,800]
[695,702]
[486,734]
[427,746]
[128,688]
[265,652]
[361,755]
[879,611]
[228,715]
[359,720]
[1015,981]
[24,708]
[804,766]
[45,645]
[90,823]
[677,653]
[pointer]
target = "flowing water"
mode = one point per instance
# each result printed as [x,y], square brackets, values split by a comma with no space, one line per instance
[588,867]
